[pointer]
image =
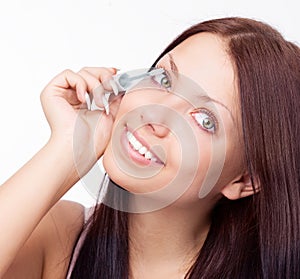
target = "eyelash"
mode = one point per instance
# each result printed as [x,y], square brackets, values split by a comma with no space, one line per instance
[210,115]
[167,75]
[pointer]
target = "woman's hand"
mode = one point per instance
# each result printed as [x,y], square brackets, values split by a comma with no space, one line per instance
[76,133]
[64,105]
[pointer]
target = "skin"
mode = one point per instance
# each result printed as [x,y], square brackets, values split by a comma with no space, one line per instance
[213,71]
[164,242]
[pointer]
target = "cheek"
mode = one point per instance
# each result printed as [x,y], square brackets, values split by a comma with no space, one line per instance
[135,99]
[192,156]
[218,160]
[234,164]
[205,168]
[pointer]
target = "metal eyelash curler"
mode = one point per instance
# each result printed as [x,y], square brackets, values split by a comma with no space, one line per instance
[120,84]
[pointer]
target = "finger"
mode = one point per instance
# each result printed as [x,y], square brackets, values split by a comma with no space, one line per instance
[115,104]
[91,80]
[101,99]
[101,73]
[94,78]
[104,75]
[98,95]
[106,104]
[88,101]
[70,80]
[114,86]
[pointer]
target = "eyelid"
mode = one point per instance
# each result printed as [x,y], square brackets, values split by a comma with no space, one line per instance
[166,72]
[210,114]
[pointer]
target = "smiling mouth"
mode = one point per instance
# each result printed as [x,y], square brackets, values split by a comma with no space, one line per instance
[141,150]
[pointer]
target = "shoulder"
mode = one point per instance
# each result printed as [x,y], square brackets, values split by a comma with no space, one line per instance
[63,225]
[47,252]
[65,217]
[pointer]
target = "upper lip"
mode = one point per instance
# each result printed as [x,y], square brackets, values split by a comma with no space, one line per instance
[144,143]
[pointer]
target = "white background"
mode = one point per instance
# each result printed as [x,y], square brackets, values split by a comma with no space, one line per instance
[38,39]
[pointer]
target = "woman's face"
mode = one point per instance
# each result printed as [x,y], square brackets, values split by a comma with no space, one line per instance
[179,134]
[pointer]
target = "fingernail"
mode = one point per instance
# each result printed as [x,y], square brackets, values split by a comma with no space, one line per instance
[87,100]
[114,87]
[106,105]
[115,69]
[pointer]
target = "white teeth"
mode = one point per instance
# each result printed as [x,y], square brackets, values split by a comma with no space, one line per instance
[153,159]
[139,147]
[148,155]
[134,142]
[136,145]
[129,135]
[142,150]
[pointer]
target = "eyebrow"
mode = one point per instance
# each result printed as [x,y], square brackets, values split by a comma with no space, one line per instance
[209,99]
[172,64]
[206,98]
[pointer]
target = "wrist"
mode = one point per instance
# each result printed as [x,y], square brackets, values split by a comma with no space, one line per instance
[78,157]
[60,156]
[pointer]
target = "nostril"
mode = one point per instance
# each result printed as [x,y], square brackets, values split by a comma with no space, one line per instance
[153,121]
[160,130]
[150,126]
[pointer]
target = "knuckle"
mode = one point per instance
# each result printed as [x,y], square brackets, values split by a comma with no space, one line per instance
[98,70]
[84,69]
[43,96]
[67,73]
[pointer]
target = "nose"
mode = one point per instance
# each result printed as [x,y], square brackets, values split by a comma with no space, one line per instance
[160,117]
[158,130]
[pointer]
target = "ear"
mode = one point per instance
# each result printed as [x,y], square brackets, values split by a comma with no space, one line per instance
[241,187]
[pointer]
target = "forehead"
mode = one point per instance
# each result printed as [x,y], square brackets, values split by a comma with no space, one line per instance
[203,58]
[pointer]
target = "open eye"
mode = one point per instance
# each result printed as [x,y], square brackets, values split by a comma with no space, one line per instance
[163,80]
[205,120]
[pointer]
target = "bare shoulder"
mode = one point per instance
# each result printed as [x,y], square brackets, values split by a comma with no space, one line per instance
[47,252]
[65,222]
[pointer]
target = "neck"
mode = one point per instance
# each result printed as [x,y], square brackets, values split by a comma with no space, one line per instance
[168,237]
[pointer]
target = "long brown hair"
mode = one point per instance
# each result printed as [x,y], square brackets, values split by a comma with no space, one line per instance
[257,236]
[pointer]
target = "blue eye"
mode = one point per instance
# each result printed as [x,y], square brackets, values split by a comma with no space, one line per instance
[206,120]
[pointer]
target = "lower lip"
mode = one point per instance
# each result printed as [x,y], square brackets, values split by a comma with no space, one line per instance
[135,155]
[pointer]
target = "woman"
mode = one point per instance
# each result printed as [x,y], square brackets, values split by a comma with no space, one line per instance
[245,225]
